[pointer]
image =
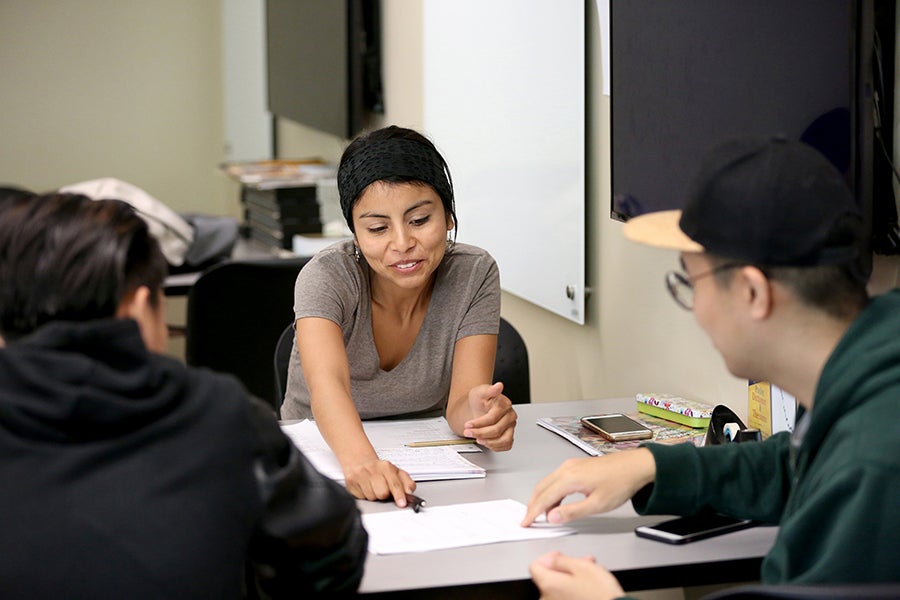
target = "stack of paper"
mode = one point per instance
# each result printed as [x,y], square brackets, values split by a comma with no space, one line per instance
[277,173]
[422,464]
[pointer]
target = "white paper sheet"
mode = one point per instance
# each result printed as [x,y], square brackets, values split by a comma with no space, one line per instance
[422,464]
[454,526]
[390,434]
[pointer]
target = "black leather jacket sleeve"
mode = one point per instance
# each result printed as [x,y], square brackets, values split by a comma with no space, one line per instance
[310,539]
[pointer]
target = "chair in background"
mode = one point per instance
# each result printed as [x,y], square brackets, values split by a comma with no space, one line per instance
[511,364]
[282,358]
[236,312]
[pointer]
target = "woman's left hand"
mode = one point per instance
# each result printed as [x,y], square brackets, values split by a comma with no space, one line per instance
[494,422]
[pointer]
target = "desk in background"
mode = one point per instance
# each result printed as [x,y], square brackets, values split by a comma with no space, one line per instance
[180,284]
[501,570]
[176,288]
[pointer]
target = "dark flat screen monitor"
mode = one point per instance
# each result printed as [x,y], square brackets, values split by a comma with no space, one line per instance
[688,74]
[323,62]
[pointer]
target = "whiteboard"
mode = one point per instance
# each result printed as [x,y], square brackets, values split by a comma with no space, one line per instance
[248,124]
[504,101]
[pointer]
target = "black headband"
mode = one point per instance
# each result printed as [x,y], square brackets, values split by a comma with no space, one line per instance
[388,160]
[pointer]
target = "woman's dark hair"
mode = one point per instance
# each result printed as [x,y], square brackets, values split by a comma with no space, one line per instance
[394,155]
[67,257]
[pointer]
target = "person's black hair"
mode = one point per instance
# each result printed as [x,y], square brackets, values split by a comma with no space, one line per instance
[834,289]
[13,191]
[394,155]
[67,257]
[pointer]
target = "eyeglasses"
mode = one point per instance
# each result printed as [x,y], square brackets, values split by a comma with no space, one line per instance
[681,285]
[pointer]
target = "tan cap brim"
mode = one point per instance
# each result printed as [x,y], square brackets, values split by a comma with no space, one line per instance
[660,229]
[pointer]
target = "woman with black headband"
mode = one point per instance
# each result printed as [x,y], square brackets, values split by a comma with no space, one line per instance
[401,321]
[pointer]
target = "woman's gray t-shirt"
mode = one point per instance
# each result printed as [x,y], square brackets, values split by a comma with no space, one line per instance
[333,285]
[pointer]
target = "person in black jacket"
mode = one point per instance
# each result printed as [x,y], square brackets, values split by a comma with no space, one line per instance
[124,473]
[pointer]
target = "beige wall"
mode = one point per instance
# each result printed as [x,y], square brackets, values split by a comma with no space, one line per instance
[126,89]
[401,76]
[635,338]
[134,90]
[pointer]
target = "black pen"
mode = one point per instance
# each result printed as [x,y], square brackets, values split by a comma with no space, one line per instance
[414,502]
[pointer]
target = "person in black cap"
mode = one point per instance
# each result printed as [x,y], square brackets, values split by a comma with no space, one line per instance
[771,241]
[400,321]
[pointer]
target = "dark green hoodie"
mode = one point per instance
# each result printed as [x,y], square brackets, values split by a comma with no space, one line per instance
[834,489]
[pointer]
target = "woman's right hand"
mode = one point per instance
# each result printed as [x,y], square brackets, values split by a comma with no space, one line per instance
[379,480]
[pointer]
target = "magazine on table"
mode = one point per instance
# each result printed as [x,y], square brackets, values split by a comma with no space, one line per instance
[664,432]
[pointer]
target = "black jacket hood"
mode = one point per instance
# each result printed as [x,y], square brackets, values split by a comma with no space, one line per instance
[81,381]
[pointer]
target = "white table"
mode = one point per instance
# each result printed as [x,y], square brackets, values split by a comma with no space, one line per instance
[501,570]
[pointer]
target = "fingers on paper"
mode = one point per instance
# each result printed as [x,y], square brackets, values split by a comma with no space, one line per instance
[401,485]
[534,510]
[549,493]
[380,480]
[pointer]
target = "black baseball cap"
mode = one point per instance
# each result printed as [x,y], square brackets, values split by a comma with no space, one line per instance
[765,201]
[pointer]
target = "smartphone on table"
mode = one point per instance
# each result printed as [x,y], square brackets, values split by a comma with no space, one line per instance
[617,427]
[690,529]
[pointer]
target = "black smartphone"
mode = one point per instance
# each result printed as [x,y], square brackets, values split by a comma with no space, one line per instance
[617,427]
[690,529]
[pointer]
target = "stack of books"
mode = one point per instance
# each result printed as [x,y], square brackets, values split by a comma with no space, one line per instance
[280,198]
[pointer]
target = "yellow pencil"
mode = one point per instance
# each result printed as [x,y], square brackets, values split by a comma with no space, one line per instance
[430,443]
